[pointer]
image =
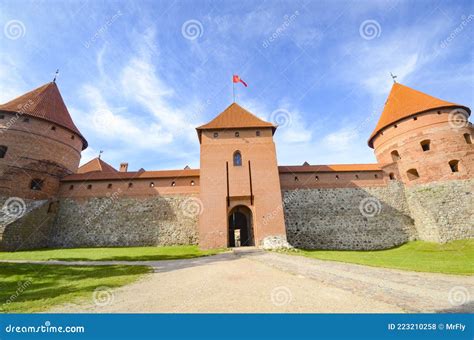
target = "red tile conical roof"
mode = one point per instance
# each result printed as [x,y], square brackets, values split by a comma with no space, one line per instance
[234,117]
[404,102]
[96,164]
[45,103]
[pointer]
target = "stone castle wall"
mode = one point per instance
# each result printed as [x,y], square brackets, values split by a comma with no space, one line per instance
[26,224]
[126,221]
[443,211]
[348,218]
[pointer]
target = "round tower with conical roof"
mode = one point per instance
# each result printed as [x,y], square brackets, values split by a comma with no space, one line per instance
[39,144]
[420,139]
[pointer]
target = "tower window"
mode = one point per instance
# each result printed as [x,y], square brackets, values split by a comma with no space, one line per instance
[454,165]
[36,184]
[415,118]
[109,186]
[2,116]
[376,176]
[237,134]
[192,183]
[257,133]
[89,187]
[53,128]
[216,134]
[26,120]
[237,158]
[337,176]
[72,136]
[412,174]
[357,176]
[130,185]
[316,178]
[296,179]
[71,187]
[3,151]
[395,155]
[395,126]
[392,176]
[467,138]
[152,185]
[425,145]
[173,184]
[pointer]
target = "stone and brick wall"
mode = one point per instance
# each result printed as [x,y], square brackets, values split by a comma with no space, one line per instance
[348,218]
[126,221]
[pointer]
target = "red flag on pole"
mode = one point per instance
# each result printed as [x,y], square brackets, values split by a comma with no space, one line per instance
[236,79]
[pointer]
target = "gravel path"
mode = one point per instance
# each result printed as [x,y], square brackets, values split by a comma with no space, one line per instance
[248,280]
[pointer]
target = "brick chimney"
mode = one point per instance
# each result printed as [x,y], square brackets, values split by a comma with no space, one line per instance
[123,167]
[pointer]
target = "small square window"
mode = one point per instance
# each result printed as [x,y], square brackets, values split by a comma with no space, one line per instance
[237,134]
[216,134]
[415,118]
[72,137]
[109,186]
[53,128]
[89,187]
[152,185]
[257,133]
[36,184]
[130,184]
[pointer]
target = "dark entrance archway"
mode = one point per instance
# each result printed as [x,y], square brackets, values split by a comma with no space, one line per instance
[240,227]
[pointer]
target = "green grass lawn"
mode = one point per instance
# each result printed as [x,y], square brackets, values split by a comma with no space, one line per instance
[111,254]
[26,288]
[455,257]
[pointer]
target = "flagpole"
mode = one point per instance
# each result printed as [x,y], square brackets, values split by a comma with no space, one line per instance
[233,88]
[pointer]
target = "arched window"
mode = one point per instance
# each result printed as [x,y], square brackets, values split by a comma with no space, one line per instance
[3,151]
[237,134]
[392,176]
[412,174]
[36,184]
[173,184]
[237,158]
[192,183]
[109,186]
[467,138]
[425,145]
[89,186]
[454,165]
[296,179]
[152,184]
[395,155]
[130,184]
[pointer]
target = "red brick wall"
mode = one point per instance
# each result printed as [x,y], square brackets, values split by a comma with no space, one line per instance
[446,143]
[35,150]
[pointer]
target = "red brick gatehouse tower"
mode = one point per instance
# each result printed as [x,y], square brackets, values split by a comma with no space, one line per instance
[240,184]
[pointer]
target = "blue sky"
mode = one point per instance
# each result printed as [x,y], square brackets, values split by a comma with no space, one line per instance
[139,76]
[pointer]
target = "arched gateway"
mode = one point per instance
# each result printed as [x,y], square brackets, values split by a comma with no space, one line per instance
[240,227]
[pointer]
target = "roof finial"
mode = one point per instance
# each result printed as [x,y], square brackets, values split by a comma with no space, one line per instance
[393,77]
[100,153]
[56,75]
